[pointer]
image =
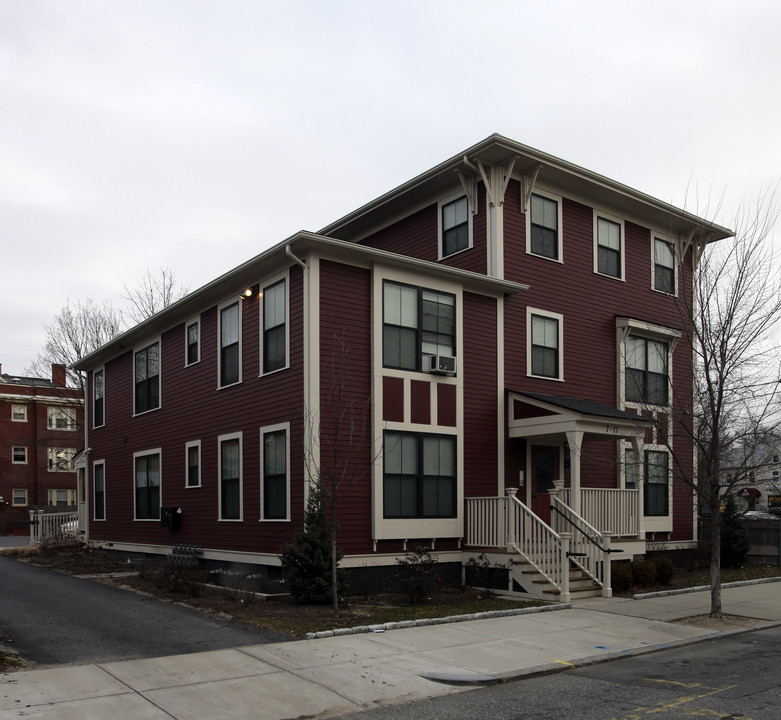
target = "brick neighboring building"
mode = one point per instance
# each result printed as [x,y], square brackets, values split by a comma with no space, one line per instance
[508,320]
[41,430]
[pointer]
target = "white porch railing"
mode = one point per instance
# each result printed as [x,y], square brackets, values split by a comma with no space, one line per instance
[609,510]
[53,528]
[589,549]
[505,522]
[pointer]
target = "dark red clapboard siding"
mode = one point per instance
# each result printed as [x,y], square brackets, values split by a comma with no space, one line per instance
[192,408]
[345,350]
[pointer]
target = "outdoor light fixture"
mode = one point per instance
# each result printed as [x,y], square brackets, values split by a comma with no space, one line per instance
[246,294]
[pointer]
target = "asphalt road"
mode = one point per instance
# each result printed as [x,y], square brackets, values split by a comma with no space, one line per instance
[51,619]
[729,678]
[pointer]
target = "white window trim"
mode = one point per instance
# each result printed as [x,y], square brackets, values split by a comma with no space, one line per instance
[103,370]
[70,495]
[221,439]
[665,238]
[103,463]
[659,523]
[560,240]
[440,233]
[13,498]
[285,276]
[143,453]
[559,318]
[187,446]
[19,462]
[193,321]
[24,412]
[619,221]
[136,350]
[220,308]
[270,429]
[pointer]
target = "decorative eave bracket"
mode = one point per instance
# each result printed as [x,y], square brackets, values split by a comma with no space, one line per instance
[527,185]
[495,186]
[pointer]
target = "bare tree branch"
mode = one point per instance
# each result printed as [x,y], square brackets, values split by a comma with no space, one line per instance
[155,293]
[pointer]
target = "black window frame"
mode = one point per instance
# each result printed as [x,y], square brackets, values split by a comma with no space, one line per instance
[230,353]
[146,396]
[99,490]
[455,236]
[148,496]
[231,488]
[419,480]
[540,232]
[606,254]
[543,351]
[192,352]
[275,481]
[275,336]
[664,276]
[656,493]
[98,397]
[641,385]
[422,333]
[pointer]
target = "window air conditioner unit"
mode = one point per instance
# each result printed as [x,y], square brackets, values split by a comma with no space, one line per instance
[442,364]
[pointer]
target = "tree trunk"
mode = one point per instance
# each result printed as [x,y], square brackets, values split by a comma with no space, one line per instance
[334,588]
[715,562]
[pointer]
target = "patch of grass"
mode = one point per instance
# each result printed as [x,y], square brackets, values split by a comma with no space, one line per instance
[374,614]
[749,572]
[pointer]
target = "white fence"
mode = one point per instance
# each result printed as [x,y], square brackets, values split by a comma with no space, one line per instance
[609,510]
[53,528]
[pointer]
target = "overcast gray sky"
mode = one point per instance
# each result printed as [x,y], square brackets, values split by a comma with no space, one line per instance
[193,134]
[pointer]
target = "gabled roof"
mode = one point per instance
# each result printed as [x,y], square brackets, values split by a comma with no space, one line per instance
[570,180]
[583,407]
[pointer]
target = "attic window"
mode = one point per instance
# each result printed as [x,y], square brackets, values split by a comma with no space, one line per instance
[455,226]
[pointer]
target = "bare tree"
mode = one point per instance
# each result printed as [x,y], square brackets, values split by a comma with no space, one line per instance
[729,316]
[341,452]
[154,293]
[76,330]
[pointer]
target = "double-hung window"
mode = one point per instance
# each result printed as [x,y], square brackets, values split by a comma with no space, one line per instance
[656,490]
[646,371]
[19,455]
[98,399]
[274,327]
[230,480]
[455,226]
[193,342]
[419,475]
[609,247]
[147,485]
[60,497]
[99,490]
[230,344]
[416,321]
[276,485]
[147,378]
[60,418]
[19,413]
[193,463]
[545,345]
[18,497]
[544,236]
[664,266]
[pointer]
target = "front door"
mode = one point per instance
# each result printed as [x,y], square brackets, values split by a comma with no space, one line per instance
[544,471]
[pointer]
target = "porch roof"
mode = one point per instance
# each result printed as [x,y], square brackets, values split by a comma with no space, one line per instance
[536,415]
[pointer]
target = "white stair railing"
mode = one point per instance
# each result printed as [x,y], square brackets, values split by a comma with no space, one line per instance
[589,548]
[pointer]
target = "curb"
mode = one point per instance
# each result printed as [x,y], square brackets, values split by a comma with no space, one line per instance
[703,588]
[422,622]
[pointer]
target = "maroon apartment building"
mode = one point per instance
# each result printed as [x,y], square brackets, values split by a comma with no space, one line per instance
[510,321]
[40,424]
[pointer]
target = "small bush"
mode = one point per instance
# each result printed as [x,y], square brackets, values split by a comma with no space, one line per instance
[643,573]
[665,569]
[418,574]
[621,574]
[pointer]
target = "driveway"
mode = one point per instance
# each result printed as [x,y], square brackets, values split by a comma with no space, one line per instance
[54,619]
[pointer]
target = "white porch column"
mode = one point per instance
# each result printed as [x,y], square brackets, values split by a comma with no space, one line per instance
[575,440]
[639,482]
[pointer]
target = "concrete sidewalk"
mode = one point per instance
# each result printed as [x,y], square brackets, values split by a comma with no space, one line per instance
[340,675]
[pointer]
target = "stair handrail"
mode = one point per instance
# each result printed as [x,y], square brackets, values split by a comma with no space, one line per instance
[590,548]
[541,546]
